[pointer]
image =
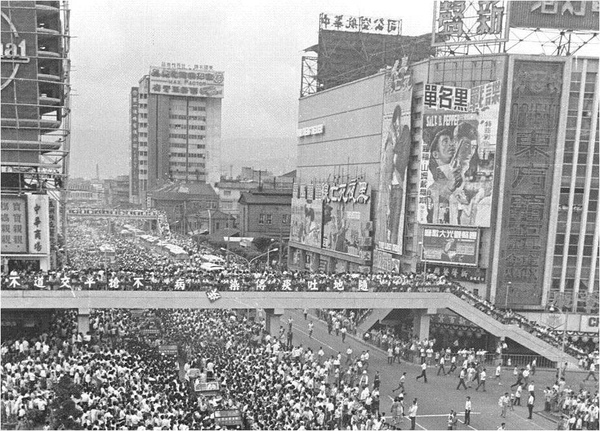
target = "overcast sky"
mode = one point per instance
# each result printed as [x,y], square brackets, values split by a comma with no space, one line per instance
[258,44]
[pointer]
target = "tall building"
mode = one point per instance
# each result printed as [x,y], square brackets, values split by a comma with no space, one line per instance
[175,127]
[35,131]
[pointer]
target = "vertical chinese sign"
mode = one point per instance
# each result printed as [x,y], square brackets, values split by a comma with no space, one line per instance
[135,143]
[394,157]
[532,137]
[14,224]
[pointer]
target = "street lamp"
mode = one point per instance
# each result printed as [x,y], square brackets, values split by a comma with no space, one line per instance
[508,286]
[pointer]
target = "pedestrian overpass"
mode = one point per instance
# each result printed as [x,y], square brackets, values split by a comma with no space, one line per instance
[424,304]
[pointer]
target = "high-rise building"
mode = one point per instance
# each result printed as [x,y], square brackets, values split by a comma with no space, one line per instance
[175,127]
[35,131]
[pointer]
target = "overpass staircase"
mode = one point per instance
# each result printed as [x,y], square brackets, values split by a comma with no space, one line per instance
[377,315]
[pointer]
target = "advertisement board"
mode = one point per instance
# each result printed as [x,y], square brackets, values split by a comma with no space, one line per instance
[14,224]
[563,15]
[347,222]
[362,24]
[469,22]
[38,224]
[394,157]
[458,157]
[535,105]
[452,245]
[186,82]
[135,143]
[307,220]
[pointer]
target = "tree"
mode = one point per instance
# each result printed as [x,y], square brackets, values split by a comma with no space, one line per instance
[261,243]
[64,410]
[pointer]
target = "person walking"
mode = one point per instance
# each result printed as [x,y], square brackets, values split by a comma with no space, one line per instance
[591,371]
[376,380]
[498,374]
[311,326]
[461,379]
[530,402]
[482,377]
[503,403]
[412,414]
[451,419]
[423,372]
[519,378]
[441,368]
[452,364]
[468,407]
[344,330]
[305,312]
[401,384]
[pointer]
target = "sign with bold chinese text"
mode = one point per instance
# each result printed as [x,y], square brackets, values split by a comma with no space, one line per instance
[535,106]
[186,82]
[14,224]
[354,191]
[135,143]
[439,96]
[469,22]
[453,245]
[360,24]
[567,15]
[38,223]
[312,130]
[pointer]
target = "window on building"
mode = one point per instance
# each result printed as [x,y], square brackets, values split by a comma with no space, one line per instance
[285,218]
[269,218]
[261,219]
[218,225]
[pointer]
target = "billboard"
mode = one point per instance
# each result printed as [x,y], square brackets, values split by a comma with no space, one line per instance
[347,222]
[450,245]
[307,220]
[458,155]
[394,157]
[469,22]
[38,222]
[563,15]
[535,105]
[135,143]
[14,224]
[362,24]
[179,81]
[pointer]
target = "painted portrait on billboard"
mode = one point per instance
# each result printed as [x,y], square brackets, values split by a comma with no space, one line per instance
[306,221]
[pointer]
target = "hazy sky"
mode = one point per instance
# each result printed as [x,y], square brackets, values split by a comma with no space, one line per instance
[258,44]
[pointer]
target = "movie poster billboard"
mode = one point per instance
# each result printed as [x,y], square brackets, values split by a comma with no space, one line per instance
[347,222]
[307,219]
[457,158]
[452,245]
[394,157]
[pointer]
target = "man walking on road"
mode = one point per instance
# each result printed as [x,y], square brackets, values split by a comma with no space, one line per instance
[482,376]
[503,403]
[530,402]
[468,411]
[423,372]
[461,379]
[412,414]
[441,368]
[401,385]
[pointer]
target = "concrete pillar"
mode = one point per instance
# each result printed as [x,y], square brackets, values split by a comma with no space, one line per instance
[273,321]
[314,262]
[302,260]
[421,324]
[83,320]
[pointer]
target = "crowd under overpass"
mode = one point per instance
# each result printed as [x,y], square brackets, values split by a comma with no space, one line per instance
[423,304]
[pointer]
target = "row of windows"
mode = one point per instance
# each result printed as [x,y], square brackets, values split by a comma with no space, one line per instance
[143,125]
[184,145]
[143,134]
[191,155]
[143,106]
[268,218]
[144,153]
[188,165]
[144,115]
[189,127]
[184,136]
[187,117]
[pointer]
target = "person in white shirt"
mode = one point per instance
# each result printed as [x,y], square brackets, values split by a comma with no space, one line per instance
[482,377]
[468,407]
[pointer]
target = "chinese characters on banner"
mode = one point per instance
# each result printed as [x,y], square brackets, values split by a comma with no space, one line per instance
[572,15]
[185,82]
[135,157]
[531,147]
[469,22]
[38,222]
[14,224]
[362,24]
[458,155]
[395,154]
[457,246]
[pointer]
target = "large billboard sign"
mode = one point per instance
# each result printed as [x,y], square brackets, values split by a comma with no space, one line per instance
[135,143]
[307,219]
[535,105]
[25,224]
[450,245]
[179,81]
[563,15]
[347,222]
[394,156]
[360,24]
[469,22]
[458,156]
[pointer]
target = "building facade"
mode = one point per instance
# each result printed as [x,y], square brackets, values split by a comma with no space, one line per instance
[265,214]
[520,222]
[35,131]
[175,116]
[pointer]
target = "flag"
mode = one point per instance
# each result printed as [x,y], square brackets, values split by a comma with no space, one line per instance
[213,295]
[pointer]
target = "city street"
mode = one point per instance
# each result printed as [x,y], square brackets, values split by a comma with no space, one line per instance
[439,395]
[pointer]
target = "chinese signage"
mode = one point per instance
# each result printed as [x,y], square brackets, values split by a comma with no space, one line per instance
[185,82]
[307,220]
[469,22]
[394,157]
[135,143]
[39,224]
[360,24]
[351,192]
[446,97]
[567,15]
[456,246]
[14,224]
[531,147]
[307,131]
[383,261]
[457,160]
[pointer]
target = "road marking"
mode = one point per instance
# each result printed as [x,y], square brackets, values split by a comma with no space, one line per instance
[525,419]
[316,339]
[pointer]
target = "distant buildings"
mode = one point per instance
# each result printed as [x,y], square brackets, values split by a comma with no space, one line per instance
[265,213]
[175,127]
